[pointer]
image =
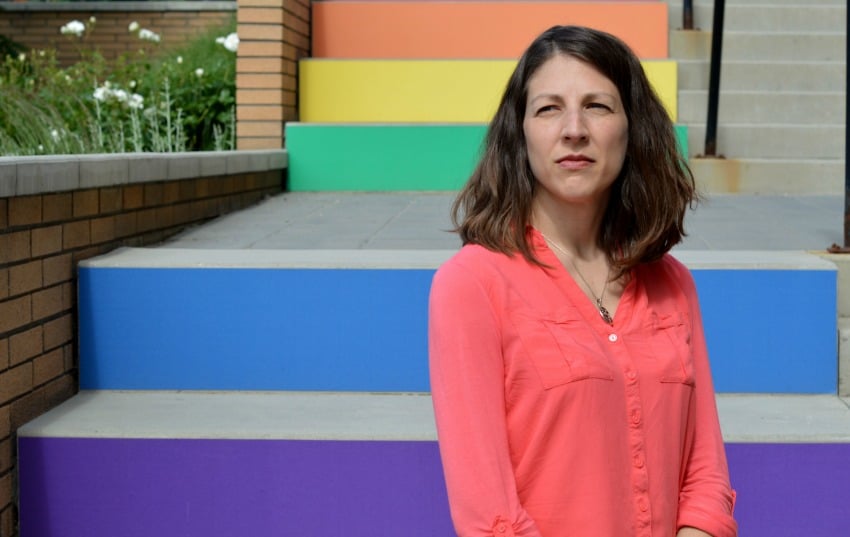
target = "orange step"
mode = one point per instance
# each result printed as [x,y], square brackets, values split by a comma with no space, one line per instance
[421,29]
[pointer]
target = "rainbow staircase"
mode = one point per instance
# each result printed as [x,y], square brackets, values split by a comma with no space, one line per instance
[285,392]
[398,94]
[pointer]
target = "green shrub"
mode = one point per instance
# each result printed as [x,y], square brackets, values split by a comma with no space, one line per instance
[178,99]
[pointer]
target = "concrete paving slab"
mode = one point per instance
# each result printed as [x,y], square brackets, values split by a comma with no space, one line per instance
[420,220]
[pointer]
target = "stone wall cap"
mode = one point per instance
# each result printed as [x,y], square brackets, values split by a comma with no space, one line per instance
[86,7]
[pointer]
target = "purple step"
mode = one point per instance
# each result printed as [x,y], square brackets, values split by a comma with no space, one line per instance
[320,464]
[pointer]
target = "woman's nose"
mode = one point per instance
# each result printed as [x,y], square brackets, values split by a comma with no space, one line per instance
[573,127]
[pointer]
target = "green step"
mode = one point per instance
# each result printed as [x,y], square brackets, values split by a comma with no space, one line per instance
[387,157]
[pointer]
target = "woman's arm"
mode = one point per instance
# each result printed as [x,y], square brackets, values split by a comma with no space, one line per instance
[692,532]
[706,499]
[467,386]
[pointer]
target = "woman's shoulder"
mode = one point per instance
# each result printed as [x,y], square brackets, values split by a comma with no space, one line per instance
[475,262]
[668,272]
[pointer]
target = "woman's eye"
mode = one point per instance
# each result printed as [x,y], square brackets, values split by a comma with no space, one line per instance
[599,106]
[547,108]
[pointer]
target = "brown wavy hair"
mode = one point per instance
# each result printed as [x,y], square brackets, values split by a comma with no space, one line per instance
[646,208]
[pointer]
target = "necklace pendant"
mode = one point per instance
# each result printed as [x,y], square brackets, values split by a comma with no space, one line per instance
[603,311]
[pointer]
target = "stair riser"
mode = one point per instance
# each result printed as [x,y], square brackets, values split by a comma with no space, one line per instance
[696,45]
[465,30]
[772,141]
[426,91]
[765,76]
[733,176]
[768,108]
[387,157]
[765,18]
[366,330]
[198,488]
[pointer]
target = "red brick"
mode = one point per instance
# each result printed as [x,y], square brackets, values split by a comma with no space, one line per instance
[15,313]
[57,207]
[24,210]
[58,332]
[4,207]
[69,358]
[5,423]
[59,390]
[14,247]
[8,521]
[125,224]
[86,202]
[25,345]
[6,461]
[134,196]
[48,302]
[46,240]
[48,367]
[153,194]
[76,234]
[4,354]
[111,200]
[15,382]
[59,268]
[4,283]
[103,229]
[170,192]
[6,493]
[24,278]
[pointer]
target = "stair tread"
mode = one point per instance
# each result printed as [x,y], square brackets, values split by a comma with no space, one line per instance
[377,417]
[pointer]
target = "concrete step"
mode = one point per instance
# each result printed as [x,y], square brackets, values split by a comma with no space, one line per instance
[769,176]
[376,300]
[111,463]
[749,140]
[766,46]
[766,17]
[809,108]
[756,75]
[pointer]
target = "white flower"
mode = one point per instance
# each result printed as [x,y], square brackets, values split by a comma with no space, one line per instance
[121,95]
[55,135]
[92,19]
[107,84]
[101,93]
[231,42]
[22,57]
[74,27]
[179,59]
[136,101]
[132,84]
[40,147]
[199,71]
[41,53]
[68,79]
[134,26]
[148,35]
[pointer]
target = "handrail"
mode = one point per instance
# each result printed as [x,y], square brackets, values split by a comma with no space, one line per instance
[687,15]
[714,79]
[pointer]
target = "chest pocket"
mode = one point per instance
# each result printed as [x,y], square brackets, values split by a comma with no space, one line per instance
[671,348]
[562,350]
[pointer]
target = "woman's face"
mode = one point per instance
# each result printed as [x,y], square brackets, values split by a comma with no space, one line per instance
[576,131]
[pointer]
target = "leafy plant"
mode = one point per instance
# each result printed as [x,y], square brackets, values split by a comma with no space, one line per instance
[153,99]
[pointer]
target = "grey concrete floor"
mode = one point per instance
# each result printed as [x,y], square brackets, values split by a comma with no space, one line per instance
[420,220]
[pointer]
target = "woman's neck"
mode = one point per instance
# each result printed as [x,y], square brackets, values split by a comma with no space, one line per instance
[575,229]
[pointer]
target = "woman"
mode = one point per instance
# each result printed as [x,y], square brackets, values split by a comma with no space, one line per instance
[569,373]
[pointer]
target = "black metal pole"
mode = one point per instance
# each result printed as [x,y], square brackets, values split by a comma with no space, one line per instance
[714,79]
[687,15]
[847,141]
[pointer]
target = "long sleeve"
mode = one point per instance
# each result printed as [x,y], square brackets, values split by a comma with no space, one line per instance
[467,384]
[706,499]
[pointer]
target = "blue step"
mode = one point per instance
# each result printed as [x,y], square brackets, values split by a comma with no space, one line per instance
[356,320]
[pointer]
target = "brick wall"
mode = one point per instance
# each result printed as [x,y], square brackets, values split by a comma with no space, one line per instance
[274,35]
[42,238]
[36,25]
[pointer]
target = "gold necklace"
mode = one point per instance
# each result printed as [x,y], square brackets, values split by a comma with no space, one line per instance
[603,311]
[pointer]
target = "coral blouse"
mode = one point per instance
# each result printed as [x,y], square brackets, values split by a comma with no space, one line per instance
[552,423]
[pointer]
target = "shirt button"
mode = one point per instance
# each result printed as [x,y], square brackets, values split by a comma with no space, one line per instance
[643,505]
[501,528]
[636,417]
[612,338]
[631,375]
[638,461]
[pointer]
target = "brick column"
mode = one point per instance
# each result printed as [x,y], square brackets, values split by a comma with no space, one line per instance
[273,35]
